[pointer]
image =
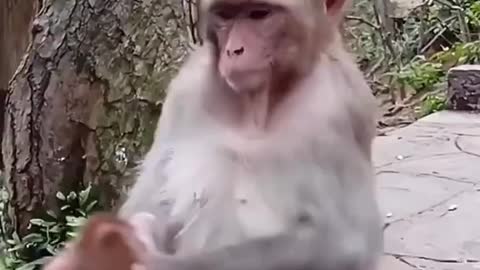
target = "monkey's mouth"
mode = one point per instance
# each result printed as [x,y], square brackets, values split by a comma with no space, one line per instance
[247,80]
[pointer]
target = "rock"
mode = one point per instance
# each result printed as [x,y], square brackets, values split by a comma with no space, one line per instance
[464,88]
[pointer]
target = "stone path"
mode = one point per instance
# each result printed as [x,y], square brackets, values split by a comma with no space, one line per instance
[429,188]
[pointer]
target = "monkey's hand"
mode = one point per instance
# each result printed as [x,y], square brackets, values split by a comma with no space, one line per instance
[292,251]
[143,224]
[155,235]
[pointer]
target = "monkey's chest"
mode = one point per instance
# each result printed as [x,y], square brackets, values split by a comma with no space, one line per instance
[230,199]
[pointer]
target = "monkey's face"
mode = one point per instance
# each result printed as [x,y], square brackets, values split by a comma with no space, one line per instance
[254,42]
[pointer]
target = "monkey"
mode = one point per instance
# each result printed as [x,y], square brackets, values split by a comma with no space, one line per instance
[107,242]
[262,153]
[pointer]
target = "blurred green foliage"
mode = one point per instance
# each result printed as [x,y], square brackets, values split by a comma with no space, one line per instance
[50,233]
[411,54]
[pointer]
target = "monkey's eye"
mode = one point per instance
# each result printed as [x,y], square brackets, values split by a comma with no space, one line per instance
[225,14]
[259,14]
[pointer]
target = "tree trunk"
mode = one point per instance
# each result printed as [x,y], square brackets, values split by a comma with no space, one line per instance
[16,17]
[83,105]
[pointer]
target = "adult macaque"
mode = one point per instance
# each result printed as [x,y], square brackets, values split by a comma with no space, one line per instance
[263,150]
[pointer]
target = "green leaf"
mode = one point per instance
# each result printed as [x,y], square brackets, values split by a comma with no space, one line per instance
[16,237]
[90,206]
[75,221]
[33,237]
[16,247]
[71,196]
[71,235]
[51,249]
[56,229]
[52,214]
[84,195]
[81,213]
[60,196]
[11,241]
[41,223]
[33,265]
[28,266]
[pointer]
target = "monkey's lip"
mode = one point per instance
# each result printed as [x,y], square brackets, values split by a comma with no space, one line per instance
[246,82]
[246,79]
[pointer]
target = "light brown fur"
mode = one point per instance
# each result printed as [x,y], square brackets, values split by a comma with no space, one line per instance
[242,183]
[276,178]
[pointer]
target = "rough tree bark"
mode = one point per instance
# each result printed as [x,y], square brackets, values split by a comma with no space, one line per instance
[83,103]
[16,17]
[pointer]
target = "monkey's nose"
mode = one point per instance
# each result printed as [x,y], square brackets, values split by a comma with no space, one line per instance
[236,52]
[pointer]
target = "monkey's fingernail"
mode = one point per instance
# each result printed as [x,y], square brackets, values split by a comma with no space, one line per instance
[400,157]
[389,215]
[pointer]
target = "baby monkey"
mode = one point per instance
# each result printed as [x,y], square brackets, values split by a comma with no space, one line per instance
[109,243]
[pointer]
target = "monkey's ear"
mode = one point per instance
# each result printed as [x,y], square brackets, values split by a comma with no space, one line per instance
[336,9]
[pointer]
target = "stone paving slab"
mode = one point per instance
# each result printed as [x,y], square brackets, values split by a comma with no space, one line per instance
[429,190]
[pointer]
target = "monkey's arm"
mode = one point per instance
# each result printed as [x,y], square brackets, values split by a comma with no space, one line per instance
[173,125]
[300,251]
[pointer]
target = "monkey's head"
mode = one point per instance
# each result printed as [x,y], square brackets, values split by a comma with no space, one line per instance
[105,243]
[257,40]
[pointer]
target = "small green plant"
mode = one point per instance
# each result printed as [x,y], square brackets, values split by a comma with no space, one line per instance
[461,53]
[474,14]
[49,234]
[421,75]
[432,104]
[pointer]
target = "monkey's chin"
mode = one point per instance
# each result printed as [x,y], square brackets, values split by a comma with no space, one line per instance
[247,83]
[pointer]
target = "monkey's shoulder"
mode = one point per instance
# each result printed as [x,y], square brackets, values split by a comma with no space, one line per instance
[194,73]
